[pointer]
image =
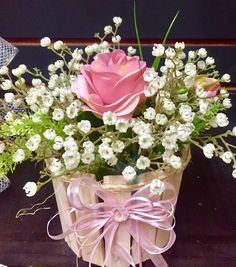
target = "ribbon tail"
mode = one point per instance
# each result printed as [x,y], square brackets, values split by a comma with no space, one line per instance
[123,254]
[137,233]
[158,260]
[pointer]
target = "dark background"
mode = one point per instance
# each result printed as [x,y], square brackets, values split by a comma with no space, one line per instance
[206,217]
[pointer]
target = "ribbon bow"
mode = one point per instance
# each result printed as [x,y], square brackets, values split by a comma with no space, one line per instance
[143,207]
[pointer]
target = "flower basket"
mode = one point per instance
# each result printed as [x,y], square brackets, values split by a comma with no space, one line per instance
[121,191]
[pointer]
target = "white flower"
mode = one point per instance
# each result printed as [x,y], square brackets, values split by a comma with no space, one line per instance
[203,105]
[234,131]
[106,140]
[149,114]
[145,141]
[117,146]
[179,45]
[169,63]
[50,134]
[104,46]
[210,60]
[191,54]
[89,50]
[112,161]
[201,64]
[129,173]
[184,131]
[59,142]
[226,78]
[170,52]
[6,85]
[190,69]
[52,68]
[88,147]
[181,55]
[17,103]
[9,116]
[208,150]
[2,147]
[227,103]
[186,113]
[36,82]
[58,45]
[46,41]
[169,141]
[131,51]
[158,50]
[69,129]
[107,29]
[71,159]
[141,128]
[116,39]
[149,75]
[227,157]
[109,118]
[55,166]
[84,126]
[33,143]
[189,81]
[9,97]
[19,155]
[30,189]
[70,144]
[167,155]
[175,162]
[163,69]
[224,93]
[159,82]
[58,114]
[161,119]
[234,173]
[122,126]
[105,151]
[19,71]
[149,91]
[143,163]
[4,70]
[221,120]
[200,92]
[59,64]
[157,187]
[77,54]
[168,105]
[87,158]
[202,52]
[117,21]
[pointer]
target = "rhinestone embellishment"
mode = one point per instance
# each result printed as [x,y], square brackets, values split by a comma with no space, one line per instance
[120,214]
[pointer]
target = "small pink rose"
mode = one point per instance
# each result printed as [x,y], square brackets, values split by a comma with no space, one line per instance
[210,85]
[112,82]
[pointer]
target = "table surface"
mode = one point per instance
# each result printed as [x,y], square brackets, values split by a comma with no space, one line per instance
[206,219]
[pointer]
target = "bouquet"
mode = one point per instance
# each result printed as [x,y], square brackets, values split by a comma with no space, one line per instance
[102,110]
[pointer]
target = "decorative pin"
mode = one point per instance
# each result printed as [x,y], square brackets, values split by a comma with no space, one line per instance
[120,214]
[7,52]
[4,184]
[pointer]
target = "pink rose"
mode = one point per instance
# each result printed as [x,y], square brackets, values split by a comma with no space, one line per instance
[112,82]
[210,85]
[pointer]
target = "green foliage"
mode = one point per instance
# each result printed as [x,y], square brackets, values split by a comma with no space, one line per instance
[157,59]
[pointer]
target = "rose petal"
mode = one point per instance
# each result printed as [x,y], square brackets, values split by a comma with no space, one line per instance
[104,83]
[81,87]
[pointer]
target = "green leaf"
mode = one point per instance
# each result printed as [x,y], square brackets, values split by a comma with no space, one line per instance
[137,34]
[157,59]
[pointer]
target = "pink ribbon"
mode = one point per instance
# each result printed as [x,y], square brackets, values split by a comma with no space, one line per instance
[143,207]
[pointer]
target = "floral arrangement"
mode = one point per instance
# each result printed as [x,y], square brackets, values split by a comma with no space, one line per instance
[102,110]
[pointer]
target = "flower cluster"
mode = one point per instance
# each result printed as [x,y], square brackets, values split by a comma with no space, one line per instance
[103,110]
